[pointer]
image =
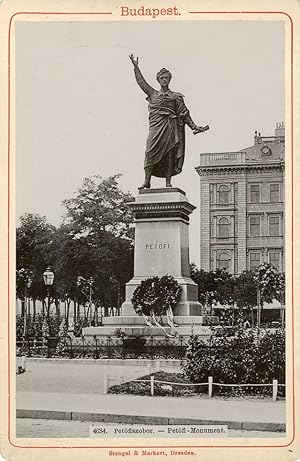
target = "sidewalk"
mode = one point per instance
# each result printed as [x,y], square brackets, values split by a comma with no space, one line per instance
[258,414]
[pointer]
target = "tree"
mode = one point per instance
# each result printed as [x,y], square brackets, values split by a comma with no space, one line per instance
[33,242]
[100,207]
[95,240]
[213,287]
[245,292]
[270,285]
[98,238]
[266,279]
[34,248]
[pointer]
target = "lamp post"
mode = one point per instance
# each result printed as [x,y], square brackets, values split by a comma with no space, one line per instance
[48,277]
[91,282]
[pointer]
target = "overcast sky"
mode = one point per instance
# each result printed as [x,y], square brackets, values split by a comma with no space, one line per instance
[80,111]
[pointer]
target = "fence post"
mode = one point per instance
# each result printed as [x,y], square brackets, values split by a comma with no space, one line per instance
[105,383]
[210,386]
[152,385]
[275,389]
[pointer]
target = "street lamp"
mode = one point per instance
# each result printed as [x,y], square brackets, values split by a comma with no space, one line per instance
[48,277]
[91,282]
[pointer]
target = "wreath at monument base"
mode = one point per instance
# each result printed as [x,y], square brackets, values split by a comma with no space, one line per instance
[157,296]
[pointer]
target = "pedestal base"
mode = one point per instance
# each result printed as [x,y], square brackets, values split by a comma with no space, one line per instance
[135,326]
[187,305]
[161,248]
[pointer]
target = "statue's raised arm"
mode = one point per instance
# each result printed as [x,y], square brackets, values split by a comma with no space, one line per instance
[168,116]
[139,76]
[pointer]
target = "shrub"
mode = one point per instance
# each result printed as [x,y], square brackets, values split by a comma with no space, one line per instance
[45,331]
[63,338]
[241,359]
[79,324]
[19,327]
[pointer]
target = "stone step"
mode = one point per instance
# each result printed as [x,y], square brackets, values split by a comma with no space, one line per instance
[119,321]
[137,330]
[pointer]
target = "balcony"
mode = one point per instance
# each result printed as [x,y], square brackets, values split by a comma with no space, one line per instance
[222,158]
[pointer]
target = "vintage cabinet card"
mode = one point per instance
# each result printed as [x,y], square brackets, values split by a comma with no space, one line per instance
[149,210]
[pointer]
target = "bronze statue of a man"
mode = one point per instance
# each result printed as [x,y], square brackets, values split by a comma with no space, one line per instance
[168,115]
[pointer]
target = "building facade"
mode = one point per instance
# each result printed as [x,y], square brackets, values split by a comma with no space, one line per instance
[242,206]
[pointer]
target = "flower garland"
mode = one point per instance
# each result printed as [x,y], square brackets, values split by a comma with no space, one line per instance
[156,295]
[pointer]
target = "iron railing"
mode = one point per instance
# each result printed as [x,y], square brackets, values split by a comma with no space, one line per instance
[107,347]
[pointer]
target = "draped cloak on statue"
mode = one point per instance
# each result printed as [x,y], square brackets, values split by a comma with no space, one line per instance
[167,117]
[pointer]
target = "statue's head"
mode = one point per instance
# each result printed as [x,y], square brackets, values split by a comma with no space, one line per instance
[163,76]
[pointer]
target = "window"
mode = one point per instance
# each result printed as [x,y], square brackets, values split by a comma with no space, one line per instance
[223,195]
[211,226]
[254,260]
[224,261]
[254,193]
[274,226]
[274,193]
[274,258]
[223,228]
[254,226]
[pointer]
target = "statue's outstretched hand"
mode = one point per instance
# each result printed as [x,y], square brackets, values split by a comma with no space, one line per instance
[135,62]
[200,129]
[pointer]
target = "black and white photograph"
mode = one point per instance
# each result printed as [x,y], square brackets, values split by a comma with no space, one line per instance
[150,223]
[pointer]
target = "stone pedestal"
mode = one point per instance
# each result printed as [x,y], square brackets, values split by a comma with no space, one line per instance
[161,248]
[162,245]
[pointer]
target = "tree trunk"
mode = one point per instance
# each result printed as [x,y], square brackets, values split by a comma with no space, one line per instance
[22,308]
[76,311]
[43,308]
[96,315]
[68,302]
[57,308]
[34,308]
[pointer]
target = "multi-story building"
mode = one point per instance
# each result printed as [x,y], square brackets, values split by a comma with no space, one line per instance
[242,206]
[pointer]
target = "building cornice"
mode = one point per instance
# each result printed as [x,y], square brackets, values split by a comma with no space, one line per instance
[218,170]
[148,210]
